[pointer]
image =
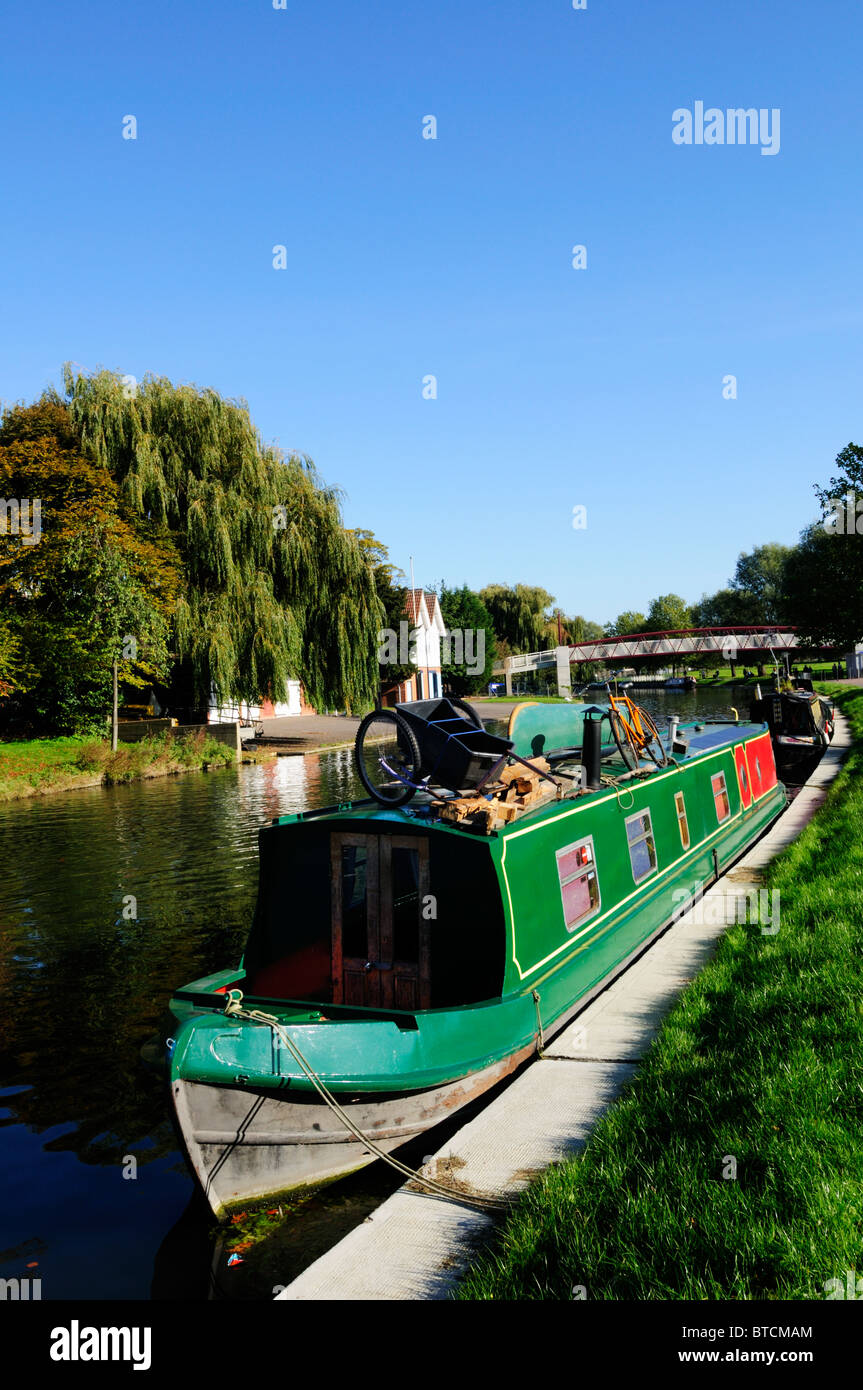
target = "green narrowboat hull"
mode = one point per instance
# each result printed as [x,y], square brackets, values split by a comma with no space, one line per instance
[516,931]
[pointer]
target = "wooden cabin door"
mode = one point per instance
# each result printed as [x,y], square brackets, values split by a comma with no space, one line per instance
[380,936]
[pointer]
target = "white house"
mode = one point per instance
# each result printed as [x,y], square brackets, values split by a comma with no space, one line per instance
[267,709]
[427,628]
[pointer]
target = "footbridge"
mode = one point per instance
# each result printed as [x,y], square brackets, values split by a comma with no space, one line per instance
[731,644]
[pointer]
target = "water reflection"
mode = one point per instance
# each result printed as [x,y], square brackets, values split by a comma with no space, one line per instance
[108,900]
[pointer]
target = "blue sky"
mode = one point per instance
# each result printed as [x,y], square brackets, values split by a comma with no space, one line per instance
[406,257]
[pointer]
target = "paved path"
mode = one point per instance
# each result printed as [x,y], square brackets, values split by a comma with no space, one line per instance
[417,1246]
[307,732]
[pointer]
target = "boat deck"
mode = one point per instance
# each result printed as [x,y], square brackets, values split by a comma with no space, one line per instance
[700,737]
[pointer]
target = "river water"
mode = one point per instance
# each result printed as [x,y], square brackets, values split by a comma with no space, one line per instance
[109,899]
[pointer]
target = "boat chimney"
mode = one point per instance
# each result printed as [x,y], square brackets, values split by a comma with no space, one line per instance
[591,753]
[758,691]
[673,721]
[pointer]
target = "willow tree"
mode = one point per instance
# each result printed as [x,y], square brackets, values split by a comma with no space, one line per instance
[518,613]
[393,595]
[275,587]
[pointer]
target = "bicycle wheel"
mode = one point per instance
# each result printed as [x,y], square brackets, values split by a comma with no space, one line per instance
[621,738]
[653,747]
[467,710]
[386,752]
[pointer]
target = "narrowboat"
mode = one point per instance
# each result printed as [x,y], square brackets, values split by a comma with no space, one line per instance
[801,726]
[405,958]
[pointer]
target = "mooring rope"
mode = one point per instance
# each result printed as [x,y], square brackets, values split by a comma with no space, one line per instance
[234,1009]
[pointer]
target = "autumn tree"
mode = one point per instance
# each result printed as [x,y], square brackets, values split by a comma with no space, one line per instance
[91,588]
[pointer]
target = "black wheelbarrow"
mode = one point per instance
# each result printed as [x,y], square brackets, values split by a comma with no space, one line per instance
[424,744]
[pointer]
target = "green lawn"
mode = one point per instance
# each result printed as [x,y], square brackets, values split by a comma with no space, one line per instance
[821,670]
[513,699]
[34,766]
[762,1060]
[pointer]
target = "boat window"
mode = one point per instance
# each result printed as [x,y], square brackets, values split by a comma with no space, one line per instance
[720,796]
[798,716]
[579,885]
[406,903]
[354,902]
[744,779]
[682,822]
[642,846]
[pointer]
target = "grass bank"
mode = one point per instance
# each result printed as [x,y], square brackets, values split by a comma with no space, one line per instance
[37,766]
[721,675]
[761,1060]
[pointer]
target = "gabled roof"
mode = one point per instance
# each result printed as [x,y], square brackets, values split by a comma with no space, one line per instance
[414,604]
[423,610]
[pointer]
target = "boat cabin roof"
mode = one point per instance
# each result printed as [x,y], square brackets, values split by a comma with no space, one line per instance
[700,737]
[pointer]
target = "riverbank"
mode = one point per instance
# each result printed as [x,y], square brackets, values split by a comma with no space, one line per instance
[731,1168]
[719,679]
[36,767]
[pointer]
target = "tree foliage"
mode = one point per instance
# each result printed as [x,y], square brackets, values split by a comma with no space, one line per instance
[464,611]
[275,588]
[626,624]
[392,594]
[823,580]
[518,612]
[563,631]
[583,630]
[667,613]
[759,577]
[91,579]
[726,608]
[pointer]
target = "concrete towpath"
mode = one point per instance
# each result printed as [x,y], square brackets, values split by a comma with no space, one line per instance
[416,1246]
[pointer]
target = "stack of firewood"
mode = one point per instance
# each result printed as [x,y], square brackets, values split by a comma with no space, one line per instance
[524,787]
[518,788]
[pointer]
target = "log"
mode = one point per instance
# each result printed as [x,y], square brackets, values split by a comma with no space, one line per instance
[518,770]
